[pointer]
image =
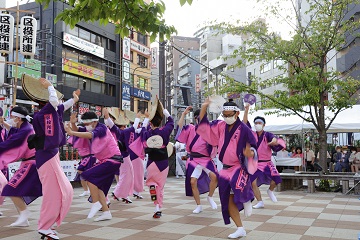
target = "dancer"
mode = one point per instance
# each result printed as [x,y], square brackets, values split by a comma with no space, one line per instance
[125,185]
[87,158]
[201,172]
[236,145]
[25,186]
[101,175]
[49,135]
[154,141]
[266,172]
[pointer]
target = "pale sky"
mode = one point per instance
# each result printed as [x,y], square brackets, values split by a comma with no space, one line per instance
[188,19]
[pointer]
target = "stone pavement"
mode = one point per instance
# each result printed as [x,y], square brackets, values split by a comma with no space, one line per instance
[297,215]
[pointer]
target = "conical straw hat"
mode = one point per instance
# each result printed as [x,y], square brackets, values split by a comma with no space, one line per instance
[121,120]
[114,112]
[156,109]
[130,115]
[34,90]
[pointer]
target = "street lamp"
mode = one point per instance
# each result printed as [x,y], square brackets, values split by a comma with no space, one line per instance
[216,71]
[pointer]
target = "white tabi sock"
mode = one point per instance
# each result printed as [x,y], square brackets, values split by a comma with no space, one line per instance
[240,232]
[272,195]
[22,220]
[104,216]
[212,202]
[247,209]
[157,208]
[260,204]
[198,209]
[94,209]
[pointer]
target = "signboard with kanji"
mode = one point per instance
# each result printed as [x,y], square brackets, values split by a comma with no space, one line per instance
[28,27]
[6,33]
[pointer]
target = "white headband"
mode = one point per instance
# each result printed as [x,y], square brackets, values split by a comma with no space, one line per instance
[259,121]
[89,120]
[230,108]
[15,114]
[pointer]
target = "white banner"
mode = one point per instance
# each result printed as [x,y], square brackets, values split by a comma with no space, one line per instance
[126,70]
[28,28]
[6,33]
[69,168]
[140,48]
[154,57]
[83,45]
[126,48]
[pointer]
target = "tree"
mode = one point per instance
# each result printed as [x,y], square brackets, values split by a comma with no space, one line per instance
[312,85]
[124,14]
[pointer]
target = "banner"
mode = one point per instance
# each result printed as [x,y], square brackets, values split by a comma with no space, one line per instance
[6,33]
[197,83]
[83,45]
[28,28]
[126,48]
[83,70]
[126,70]
[140,48]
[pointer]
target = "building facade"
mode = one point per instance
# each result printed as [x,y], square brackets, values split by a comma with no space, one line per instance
[86,57]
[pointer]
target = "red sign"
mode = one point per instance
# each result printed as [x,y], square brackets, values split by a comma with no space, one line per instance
[197,83]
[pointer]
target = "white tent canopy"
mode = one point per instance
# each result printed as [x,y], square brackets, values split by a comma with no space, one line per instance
[346,121]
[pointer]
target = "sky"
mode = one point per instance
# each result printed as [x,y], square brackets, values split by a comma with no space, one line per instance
[187,19]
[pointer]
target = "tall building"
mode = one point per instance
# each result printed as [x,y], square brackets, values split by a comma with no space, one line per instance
[136,78]
[182,68]
[85,57]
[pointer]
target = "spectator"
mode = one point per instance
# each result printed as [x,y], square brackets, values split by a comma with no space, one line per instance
[342,160]
[354,159]
[292,151]
[298,153]
[282,154]
[309,157]
[328,158]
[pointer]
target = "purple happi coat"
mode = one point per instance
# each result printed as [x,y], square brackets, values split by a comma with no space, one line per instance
[104,147]
[196,144]
[236,176]
[25,183]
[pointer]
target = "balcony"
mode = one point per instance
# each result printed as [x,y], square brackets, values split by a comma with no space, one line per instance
[183,72]
[183,62]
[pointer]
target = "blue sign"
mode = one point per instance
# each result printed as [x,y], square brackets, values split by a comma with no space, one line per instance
[141,94]
[126,91]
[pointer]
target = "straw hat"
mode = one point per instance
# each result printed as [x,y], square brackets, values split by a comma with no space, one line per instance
[114,112]
[130,115]
[170,149]
[156,109]
[34,90]
[121,120]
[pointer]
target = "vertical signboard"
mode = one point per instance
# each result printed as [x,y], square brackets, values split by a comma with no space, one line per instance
[126,48]
[28,27]
[126,88]
[154,57]
[126,71]
[197,83]
[6,33]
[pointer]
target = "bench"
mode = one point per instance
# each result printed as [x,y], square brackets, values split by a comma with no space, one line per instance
[291,180]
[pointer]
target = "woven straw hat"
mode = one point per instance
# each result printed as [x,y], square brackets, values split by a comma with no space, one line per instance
[121,120]
[130,115]
[156,109]
[114,112]
[35,91]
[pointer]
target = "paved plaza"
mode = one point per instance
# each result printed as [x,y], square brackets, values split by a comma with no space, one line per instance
[297,215]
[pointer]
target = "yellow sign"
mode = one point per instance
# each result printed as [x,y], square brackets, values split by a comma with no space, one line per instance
[82,70]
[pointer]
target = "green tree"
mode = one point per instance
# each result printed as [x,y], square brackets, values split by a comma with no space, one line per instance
[311,84]
[125,14]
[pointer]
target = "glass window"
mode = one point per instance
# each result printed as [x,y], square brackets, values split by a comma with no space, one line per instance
[142,39]
[96,86]
[74,31]
[84,34]
[132,79]
[72,55]
[142,105]
[131,56]
[142,83]
[71,81]
[142,61]
[111,45]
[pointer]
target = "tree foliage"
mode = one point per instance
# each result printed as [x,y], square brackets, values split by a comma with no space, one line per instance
[311,84]
[125,14]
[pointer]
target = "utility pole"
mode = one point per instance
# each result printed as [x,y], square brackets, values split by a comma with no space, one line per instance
[162,72]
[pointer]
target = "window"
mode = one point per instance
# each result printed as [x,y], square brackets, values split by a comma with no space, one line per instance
[132,79]
[111,45]
[142,39]
[74,31]
[131,56]
[71,81]
[142,61]
[142,105]
[111,68]
[72,55]
[96,86]
[96,39]
[84,34]
[142,83]
[265,67]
